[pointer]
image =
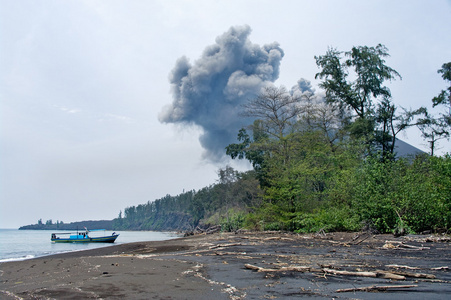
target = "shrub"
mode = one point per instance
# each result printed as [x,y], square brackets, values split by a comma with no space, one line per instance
[327,219]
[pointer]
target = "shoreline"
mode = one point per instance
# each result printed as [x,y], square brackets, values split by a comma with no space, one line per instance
[18,246]
[252,265]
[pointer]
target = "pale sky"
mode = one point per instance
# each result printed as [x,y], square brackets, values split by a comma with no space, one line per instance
[82,85]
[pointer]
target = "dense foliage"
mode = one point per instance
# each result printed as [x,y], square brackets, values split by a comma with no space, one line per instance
[234,193]
[403,195]
[321,162]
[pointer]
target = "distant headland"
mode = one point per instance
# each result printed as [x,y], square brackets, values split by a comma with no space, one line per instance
[103,224]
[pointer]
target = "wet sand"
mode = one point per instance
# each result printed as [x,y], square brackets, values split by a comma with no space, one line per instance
[242,266]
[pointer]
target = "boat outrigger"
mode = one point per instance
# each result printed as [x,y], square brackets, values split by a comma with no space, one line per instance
[83,237]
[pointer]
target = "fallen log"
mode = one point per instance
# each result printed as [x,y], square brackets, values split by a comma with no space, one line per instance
[402,267]
[389,275]
[380,274]
[252,267]
[282,269]
[413,247]
[414,275]
[440,268]
[303,269]
[225,245]
[213,229]
[365,237]
[350,273]
[277,238]
[401,245]
[230,253]
[375,288]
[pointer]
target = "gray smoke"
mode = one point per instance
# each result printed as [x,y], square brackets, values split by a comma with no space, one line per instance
[209,92]
[303,86]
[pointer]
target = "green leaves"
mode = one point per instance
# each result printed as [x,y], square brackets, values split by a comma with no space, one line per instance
[413,195]
[369,71]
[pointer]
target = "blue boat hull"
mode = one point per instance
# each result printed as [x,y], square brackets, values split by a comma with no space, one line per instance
[102,239]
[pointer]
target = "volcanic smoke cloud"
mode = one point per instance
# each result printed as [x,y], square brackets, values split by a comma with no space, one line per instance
[209,92]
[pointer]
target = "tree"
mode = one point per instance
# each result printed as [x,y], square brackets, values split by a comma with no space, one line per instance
[253,149]
[389,125]
[248,148]
[370,73]
[277,110]
[444,98]
[227,177]
[432,129]
[327,118]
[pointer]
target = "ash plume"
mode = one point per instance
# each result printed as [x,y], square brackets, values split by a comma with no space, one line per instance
[209,92]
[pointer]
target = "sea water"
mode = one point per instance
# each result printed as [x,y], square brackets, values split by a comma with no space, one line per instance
[25,244]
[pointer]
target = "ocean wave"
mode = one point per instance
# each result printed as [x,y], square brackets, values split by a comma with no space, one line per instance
[17,258]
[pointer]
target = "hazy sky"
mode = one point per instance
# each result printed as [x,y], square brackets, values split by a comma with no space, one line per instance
[84,85]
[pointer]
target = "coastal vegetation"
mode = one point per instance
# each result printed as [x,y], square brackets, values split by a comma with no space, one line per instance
[60,225]
[323,161]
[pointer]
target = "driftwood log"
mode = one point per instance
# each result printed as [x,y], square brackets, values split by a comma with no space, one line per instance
[225,245]
[282,269]
[414,275]
[380,274]
[393,275]
[402,267]
[376,288]
[402,245]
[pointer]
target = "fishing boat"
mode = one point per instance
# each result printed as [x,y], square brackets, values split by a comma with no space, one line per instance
[83,237]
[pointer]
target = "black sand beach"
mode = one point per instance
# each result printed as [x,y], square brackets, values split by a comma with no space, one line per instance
[242,266]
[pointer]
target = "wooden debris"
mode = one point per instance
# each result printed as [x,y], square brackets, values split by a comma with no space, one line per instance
[225,245]
[440,268]
[350,273]
[443,239]
[282,269]
[344,244]
[320,233]
[364,236]
[276,238]
[380,274]
[401,267]
[389,275]
[431,239]
[415,275]
[401,245]
[213,229]
[388,245]
[199,230]
[303,269]
[230,253]
[376,288]
[252,267]
[435,280]
[413,247]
